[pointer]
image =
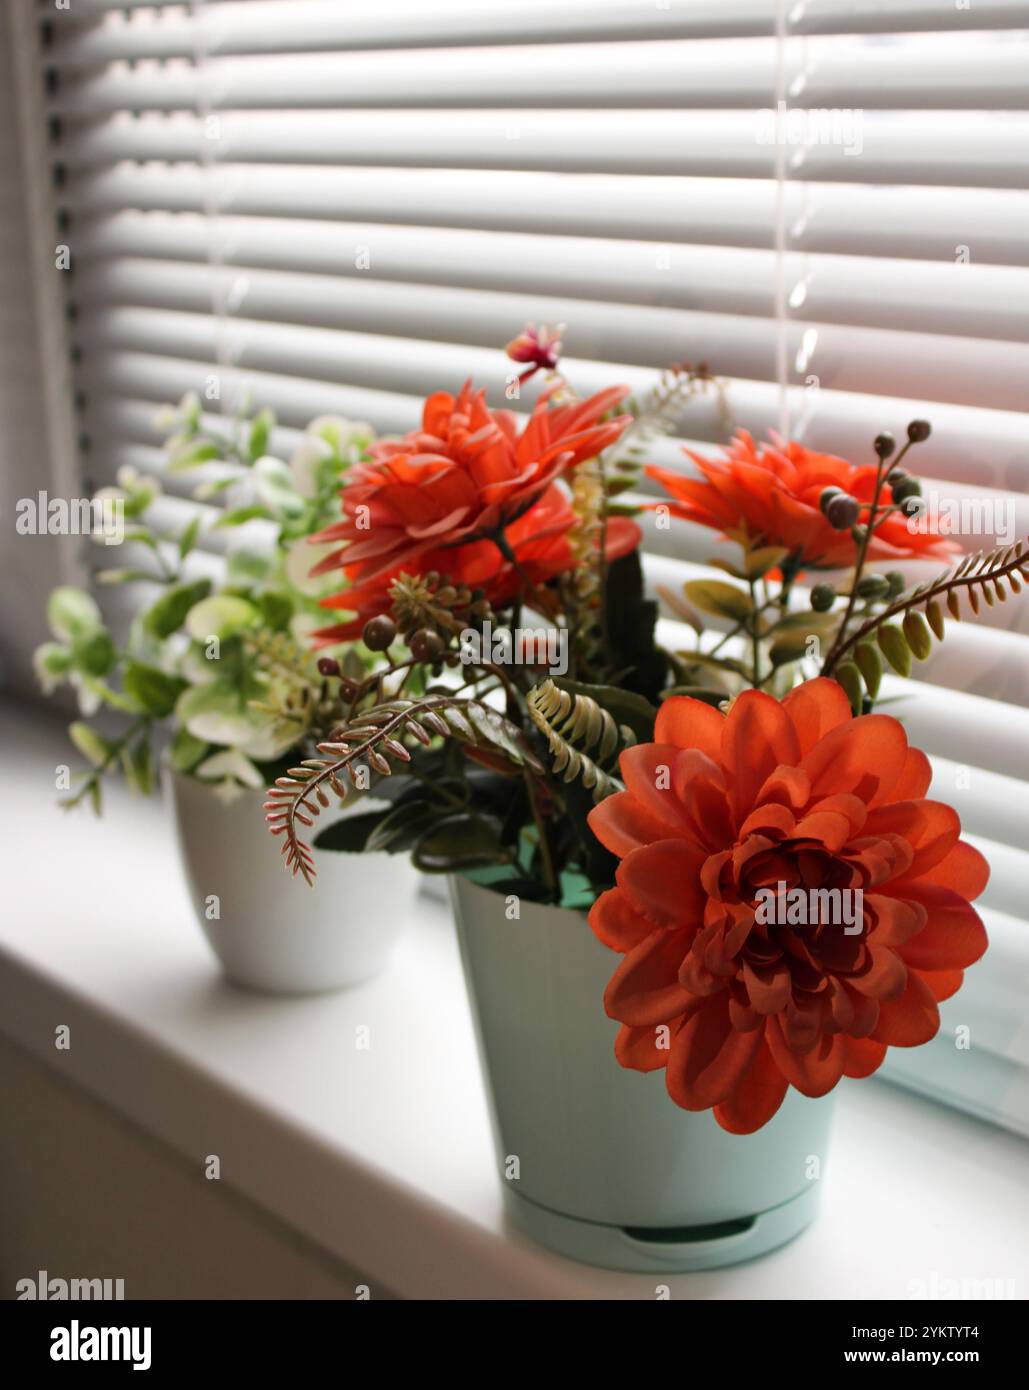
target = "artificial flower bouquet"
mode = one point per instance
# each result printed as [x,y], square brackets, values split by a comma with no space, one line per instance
[751,837]
[223,670]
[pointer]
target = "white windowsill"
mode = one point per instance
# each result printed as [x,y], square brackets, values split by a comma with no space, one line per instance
[383,1156]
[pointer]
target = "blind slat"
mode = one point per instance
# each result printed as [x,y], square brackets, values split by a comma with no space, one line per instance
[970,300]
[985,446]
[921,366]
[945,72]
[969,149]
[313,25]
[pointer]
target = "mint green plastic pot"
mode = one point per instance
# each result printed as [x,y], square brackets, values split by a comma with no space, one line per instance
[596,1161]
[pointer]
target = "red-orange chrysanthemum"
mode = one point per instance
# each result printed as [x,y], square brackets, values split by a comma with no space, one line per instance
[441,496]
[799,793]
[771,491]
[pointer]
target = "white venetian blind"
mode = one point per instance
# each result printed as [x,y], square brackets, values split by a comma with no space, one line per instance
[342,206]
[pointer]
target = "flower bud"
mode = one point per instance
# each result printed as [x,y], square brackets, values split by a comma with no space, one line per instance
[873,586]
[842,512]
[885,445]
[827,494]
[426,645]
[906,487]
[328,666]
[379,633]
[919,431]
[896,582]
[823,596]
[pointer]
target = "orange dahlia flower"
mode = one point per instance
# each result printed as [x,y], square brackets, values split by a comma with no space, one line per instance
[466,477]
[771,491]
[538,540]
[724,813]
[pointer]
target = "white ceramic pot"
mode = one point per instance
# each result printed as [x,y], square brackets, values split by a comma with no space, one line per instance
[596,1161]
[270,932]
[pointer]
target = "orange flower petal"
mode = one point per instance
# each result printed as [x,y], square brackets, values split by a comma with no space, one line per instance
[816,1072]
[640,1049]
[644,989]
[815,708]
[941,984]
[689,723]
[647,772]
[953,935]
[910,1020]
[964,870]
[708,1057]
[616,923]
[862,757]
[756,1096]
[621,824]
[757,737]
[662,880]
[862,1056]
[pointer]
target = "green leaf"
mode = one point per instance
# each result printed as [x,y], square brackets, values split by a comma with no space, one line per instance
[169,612]
[139,769]
[894,647]
[72,614]
[848,675]
[218,713]
[869,663]
[400,828]
[791,646]
[221,616]
[276,609]
[51,662]
[95,654]
[114,698]
[186,751]
[806,620]
[247,567]
[758,562]
[714,663]
[260,432]
[727,567]
[239,516]
[724,600]
[918,636]
[188,539]
[153,690]
[350,834]
[89,742]
[459,842]
[182,460]
[934,613]
[273,483]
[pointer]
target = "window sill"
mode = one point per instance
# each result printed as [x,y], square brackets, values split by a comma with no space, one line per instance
[383,1156]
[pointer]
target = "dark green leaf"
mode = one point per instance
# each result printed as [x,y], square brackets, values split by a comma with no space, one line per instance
[350,834]
[894,647]
[869,663]
[95,654]
[723,600]
[153,690]
[169,612]
[848,675]
[459,842]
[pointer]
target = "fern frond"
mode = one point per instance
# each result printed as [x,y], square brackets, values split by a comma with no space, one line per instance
[983,577]
[566,720]
[659,412]
[373,738]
